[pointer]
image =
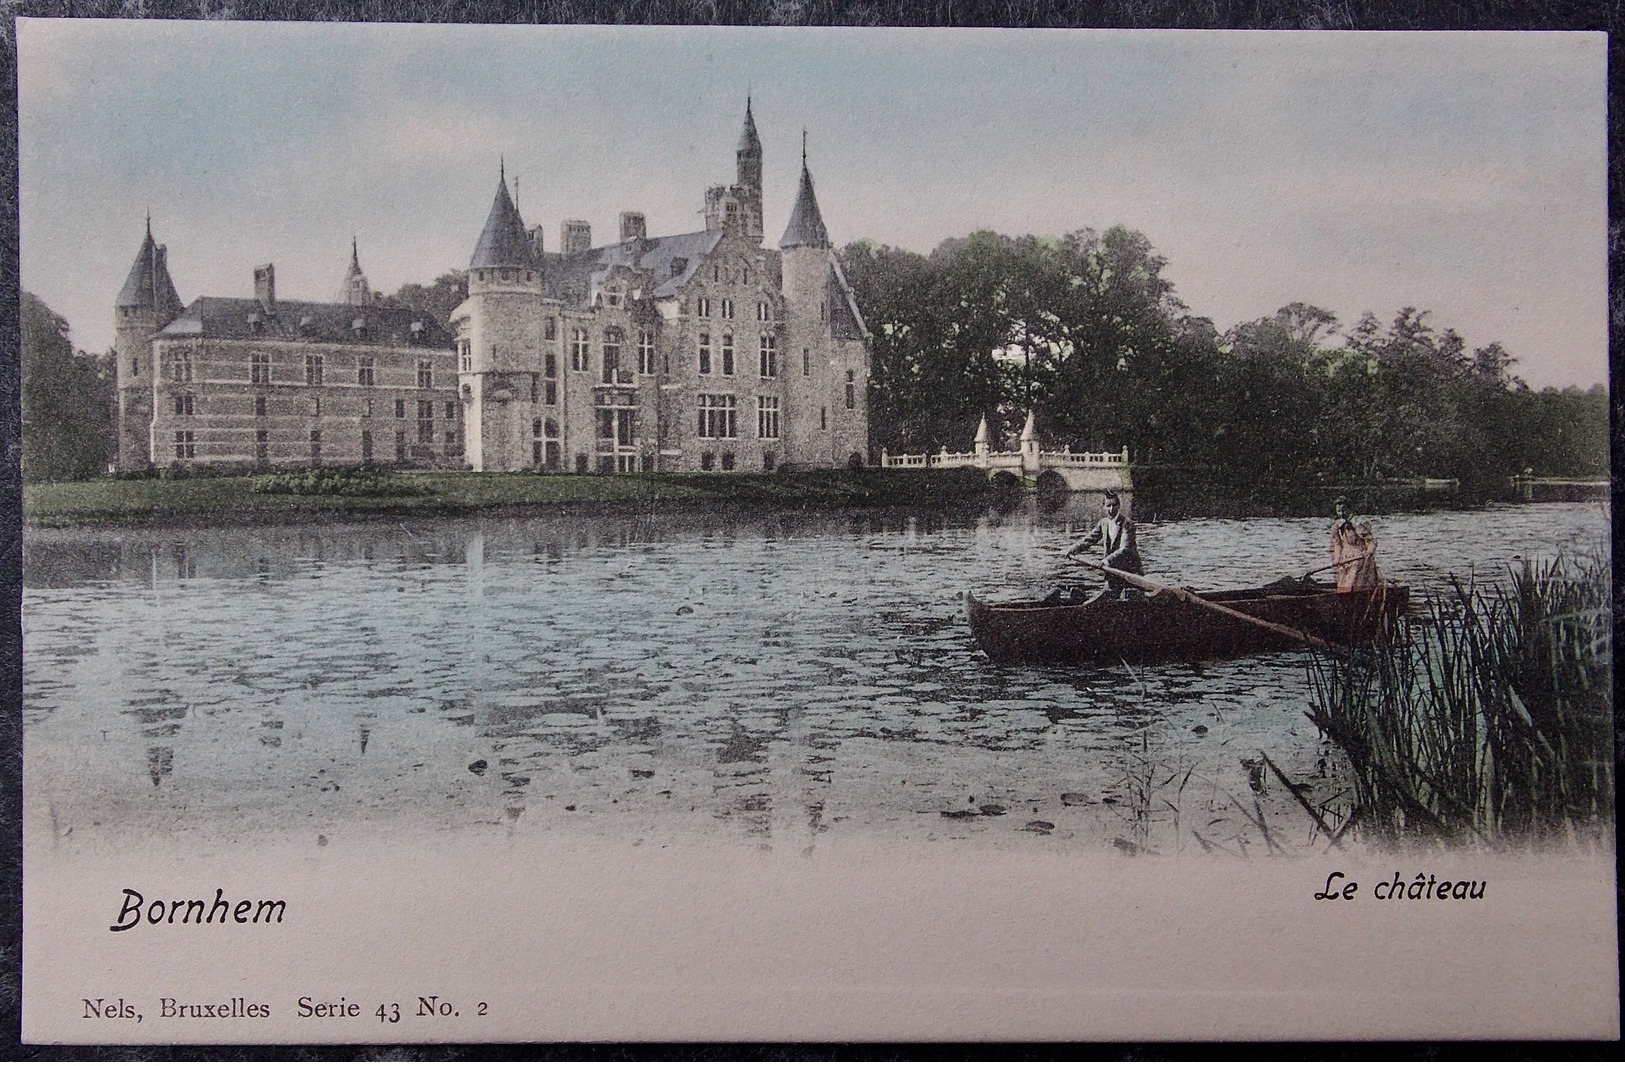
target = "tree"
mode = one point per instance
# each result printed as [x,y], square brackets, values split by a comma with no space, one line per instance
[67,400]
[440,298]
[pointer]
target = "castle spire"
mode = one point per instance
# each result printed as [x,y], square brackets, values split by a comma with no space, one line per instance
[806,228]
[354,289]
[748,140]
[504,242]
[149,286]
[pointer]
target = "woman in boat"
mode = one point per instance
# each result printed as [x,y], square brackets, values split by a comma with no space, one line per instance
[1354,552]
[1115,534]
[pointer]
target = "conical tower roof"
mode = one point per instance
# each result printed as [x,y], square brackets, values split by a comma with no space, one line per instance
[806,228]
[748,140]
[149,287]
[504,242]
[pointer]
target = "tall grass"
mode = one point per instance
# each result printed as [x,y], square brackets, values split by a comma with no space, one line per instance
[1489,716]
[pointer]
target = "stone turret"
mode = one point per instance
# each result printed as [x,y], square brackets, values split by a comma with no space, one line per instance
[738,208]
[147,303]
[499,338]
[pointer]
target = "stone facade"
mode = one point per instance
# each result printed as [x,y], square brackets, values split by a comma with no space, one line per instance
[699,351]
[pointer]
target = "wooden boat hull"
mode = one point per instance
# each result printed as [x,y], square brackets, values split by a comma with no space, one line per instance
[1161,627]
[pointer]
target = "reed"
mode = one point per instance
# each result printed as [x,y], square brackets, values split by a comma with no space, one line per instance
[1489,716]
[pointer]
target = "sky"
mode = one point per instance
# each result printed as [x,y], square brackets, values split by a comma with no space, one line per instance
[1460,173]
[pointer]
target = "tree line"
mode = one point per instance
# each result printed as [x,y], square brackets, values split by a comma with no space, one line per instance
[1087,331]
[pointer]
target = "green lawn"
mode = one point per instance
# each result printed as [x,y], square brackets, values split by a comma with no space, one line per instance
[234,499]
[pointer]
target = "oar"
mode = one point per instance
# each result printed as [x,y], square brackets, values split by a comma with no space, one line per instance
[1192,598]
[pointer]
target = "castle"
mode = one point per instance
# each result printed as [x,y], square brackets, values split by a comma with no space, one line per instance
[699,351]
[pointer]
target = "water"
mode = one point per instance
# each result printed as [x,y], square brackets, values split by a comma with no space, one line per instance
[777,678]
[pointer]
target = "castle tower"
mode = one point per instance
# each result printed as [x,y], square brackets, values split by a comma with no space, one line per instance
[146,304]
[826,333]
[499,342]
[738,208]
[354,290]
[748,187]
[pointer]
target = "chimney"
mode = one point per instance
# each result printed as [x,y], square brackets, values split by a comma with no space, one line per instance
[633,226]
[536,239]
[577,237]
[265,287]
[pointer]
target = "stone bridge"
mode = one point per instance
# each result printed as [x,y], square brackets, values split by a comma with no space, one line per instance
[1065,469]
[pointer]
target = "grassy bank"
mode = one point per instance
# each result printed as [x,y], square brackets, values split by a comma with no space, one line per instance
[298,494]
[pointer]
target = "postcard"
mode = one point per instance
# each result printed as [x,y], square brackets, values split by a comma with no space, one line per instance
[587,533]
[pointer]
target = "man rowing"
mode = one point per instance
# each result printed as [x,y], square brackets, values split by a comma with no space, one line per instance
[1115,534]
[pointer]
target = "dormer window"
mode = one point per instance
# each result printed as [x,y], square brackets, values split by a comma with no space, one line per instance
[255,323]
[417,333]
[359,328]
[678,265]
[307,326]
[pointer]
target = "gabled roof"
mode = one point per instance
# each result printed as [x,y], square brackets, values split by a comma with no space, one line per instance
[231,318]
[806,228]
[504,242]
[149,287]
[670,261]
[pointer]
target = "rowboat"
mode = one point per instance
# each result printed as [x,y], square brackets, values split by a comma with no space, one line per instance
[1171,624]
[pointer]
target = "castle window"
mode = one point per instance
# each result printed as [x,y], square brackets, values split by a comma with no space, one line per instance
[313,368]
[400,408]
[135,364]
[767,461]
[366,446]
[425,421]
[769,356]
[612,358]
[851,390]
[400,444]
[708,461]
[315,445]
[259,368]
[507,275]
[550,365]
[614,298]
[262,445]
[550,394]
[535,388]
[717,417]
[767,418]
[183,403]
[425,374]
[702,307]
[727,308]
[716,273]
[705,353]
[451,410]
[728,353]
[550,328]
[358,326]
[806,362]
[259,406]
[185,446]
[727,460]
[364,373]
[182,366]
[451,444]
[678,265]
[823,418]
[646,351]
[316,407]
[366,408]
[578,349]
[744,275]
[762,310]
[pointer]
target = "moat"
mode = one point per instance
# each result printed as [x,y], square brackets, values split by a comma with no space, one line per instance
[777,678]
